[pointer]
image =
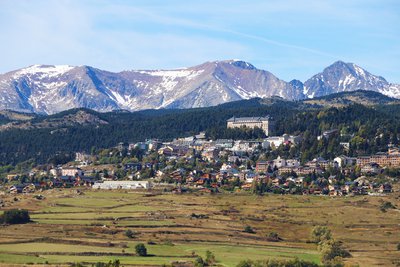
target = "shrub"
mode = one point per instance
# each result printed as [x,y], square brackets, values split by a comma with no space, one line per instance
[210,258]
[336,262]
[199,262]
[276,263]
[115,263]
[333,250]
[39,197]
[141,249]
[398,246]
[245,263]
[273,237]
[249,229]
[129,233]
[15,216]
[320,234]
[386,205]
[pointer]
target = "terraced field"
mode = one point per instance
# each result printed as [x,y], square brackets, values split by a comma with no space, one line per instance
[90,227]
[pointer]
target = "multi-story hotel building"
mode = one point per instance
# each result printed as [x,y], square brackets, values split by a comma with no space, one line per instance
[382,159]
[265,123]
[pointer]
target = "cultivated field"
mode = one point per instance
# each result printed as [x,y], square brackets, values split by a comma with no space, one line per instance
[90,227]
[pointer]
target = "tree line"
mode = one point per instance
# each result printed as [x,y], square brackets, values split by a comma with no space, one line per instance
[367,129]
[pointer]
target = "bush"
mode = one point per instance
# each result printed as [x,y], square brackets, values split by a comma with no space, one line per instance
[115,263]
[398,246]
[245,263]
[199,262]
[39,197]
[129,234]
[276,263]
[248,229]
[320,234]
[15,216]
[273,237]
[386,205]
[333,251]
[210,258]
[141,250]
[336,262]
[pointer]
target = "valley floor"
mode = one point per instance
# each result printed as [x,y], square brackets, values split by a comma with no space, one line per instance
[89,226]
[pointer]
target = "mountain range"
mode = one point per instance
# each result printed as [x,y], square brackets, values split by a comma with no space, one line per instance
[48,89]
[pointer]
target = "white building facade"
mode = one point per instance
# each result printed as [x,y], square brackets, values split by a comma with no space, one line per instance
[122,185]
[265,123]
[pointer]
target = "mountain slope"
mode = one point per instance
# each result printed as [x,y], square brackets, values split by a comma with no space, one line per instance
[343,77]
[47,89]
[342,99]
[86,117]
[51,89]
[70,118]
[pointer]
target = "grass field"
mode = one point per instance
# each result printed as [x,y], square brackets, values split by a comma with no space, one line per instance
[90,227]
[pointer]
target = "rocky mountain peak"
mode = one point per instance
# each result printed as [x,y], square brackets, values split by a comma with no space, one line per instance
[53,88]
[341,77]
[242,64]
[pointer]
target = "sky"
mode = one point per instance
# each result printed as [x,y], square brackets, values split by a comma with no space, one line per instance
[293,39]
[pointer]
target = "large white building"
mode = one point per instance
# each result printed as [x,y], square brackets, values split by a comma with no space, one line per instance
[276,141]
[122,185]
[71,172]
[265,123]
[344,161]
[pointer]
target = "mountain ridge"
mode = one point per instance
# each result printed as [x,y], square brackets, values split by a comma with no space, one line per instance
[49,89]
[88,117]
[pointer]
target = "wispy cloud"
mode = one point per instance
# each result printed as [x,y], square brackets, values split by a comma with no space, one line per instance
[120,34]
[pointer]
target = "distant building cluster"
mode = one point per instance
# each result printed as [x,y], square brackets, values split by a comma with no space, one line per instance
[264,123]
[198,163]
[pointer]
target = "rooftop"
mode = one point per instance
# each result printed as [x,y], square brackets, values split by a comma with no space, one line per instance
[249,119]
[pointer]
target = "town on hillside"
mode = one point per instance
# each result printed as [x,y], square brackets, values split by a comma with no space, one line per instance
[196,163]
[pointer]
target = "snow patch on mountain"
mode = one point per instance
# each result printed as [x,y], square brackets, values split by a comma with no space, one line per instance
[44,71]
[170,78]
[393,90]
[359,70]
[347,80]
[173,74]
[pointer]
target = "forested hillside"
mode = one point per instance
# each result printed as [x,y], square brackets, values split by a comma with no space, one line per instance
[368,128]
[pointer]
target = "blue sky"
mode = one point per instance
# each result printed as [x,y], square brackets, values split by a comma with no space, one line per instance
[290,38]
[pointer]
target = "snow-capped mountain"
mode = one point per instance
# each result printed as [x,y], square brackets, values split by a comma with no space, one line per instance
[342,77]
[51,89]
